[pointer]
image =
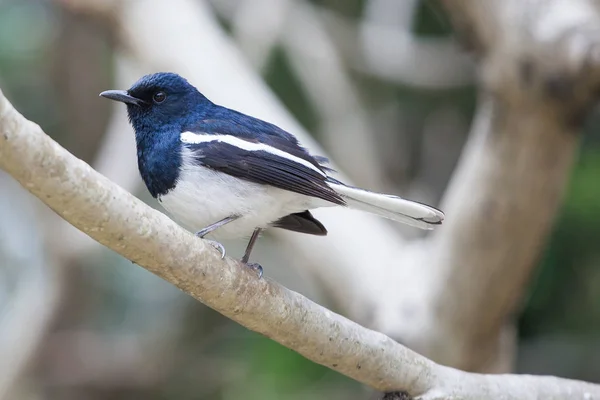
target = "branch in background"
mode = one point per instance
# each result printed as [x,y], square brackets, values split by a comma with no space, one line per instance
[392,52]
[540,77]
[118,220]
[331,91]
[373,143]
[257,40]
[323,77]
[316,60]
[381,44]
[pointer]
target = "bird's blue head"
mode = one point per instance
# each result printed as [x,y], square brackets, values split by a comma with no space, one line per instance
[159,106]
[160,101]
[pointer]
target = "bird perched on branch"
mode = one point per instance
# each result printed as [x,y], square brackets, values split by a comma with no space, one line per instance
[231,175]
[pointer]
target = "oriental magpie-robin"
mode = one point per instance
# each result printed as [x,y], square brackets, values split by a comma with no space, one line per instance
[231,175]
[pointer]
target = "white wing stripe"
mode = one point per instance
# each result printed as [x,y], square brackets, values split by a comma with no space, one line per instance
[197,138]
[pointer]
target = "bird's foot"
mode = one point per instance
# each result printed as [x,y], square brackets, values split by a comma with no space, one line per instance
[256,267]
[217,246]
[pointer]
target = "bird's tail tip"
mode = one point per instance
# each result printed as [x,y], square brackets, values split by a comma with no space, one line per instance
[409,212]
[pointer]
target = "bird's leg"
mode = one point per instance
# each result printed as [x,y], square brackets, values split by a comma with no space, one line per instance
[205,231]
[250,246]
[254,266]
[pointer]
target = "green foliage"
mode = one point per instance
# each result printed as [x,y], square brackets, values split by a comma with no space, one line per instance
[431,20]
[276,372]
[348,8]
[23,62]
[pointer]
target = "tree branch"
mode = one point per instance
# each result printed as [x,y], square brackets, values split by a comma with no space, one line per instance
[118,220]
[392,52]
[334,96]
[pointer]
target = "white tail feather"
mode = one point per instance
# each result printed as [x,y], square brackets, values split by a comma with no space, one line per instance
[392,207]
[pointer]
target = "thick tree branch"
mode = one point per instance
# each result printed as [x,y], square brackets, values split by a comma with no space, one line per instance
[116,219]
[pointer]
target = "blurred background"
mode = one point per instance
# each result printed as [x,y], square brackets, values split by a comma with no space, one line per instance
[79,322]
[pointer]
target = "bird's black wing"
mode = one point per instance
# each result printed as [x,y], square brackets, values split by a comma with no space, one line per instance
[231,122]
[251,158]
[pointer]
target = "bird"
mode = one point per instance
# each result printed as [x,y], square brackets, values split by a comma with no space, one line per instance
[227,175]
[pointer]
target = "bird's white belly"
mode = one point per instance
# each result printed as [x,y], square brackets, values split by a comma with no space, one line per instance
[202,197]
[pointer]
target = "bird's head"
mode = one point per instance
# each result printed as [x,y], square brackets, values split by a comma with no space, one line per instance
[160,100]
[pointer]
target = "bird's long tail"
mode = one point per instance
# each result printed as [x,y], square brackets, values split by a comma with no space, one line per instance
[388,206]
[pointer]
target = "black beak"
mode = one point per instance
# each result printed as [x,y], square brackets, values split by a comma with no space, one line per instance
[122,96]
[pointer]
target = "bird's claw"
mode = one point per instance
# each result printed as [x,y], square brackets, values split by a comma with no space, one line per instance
[256,267]
[217,246]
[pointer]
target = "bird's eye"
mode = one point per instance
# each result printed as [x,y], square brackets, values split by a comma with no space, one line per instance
[159,97]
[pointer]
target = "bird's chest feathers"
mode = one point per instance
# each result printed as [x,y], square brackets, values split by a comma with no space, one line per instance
[159,163]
